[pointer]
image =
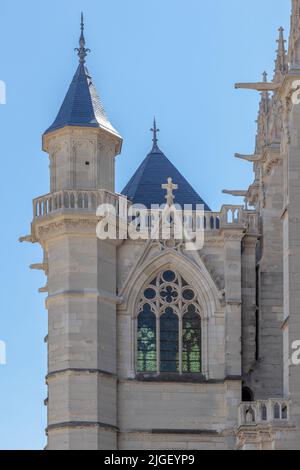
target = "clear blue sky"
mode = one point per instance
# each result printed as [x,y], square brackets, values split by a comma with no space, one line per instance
[177,59]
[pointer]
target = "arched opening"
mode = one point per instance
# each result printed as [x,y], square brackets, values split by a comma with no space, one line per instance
[284,412]
[250,416]
[276,411]
[247,394]
[169,326]
[264,414]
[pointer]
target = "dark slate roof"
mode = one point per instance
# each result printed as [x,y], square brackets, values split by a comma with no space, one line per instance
[82,106]
[145,185]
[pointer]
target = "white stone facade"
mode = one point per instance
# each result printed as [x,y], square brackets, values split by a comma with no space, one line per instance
[247,281]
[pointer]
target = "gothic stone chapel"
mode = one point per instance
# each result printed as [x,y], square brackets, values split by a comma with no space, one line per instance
[154,346]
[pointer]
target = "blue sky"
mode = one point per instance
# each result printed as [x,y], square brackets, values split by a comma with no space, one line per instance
[176,59]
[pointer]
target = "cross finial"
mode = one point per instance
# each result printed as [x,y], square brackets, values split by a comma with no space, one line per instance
[170,187]
[155,131]
[82,50]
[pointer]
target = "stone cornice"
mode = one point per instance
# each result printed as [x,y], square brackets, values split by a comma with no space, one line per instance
[250,239]
[57,225]
[80,424]
[198,379]
[190,432]
[77,371]
[83,132]
[87,294]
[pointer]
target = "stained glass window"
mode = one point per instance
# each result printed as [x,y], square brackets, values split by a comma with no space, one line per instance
[171,301]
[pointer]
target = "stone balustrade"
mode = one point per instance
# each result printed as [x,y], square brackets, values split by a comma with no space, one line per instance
[73,200]
[263,412]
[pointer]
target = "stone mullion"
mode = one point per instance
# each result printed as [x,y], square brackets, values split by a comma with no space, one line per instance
[158,343]
[180,343]
[157,313]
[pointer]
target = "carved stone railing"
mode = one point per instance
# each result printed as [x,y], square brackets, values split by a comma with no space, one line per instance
[89,201]
[72,200]
[231,216]
[264,412]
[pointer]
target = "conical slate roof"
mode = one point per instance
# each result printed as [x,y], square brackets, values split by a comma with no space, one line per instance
[82,106]
[145,187]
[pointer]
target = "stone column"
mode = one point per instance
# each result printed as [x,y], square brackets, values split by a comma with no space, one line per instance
[249,302]
[232,260]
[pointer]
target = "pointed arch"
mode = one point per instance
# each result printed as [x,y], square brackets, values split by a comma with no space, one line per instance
[196,275]
[207,298]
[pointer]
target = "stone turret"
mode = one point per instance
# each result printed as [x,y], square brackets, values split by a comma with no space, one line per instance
[81,270]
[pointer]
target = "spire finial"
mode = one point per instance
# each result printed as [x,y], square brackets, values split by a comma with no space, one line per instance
[82,23]
[155,131]
[82,50]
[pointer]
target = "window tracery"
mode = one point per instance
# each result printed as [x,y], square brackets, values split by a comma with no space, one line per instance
[169,326]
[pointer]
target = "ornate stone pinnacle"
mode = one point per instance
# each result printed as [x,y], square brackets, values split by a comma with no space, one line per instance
[265,94]
[281,64]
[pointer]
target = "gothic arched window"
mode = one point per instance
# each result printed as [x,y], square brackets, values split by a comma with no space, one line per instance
[169,327]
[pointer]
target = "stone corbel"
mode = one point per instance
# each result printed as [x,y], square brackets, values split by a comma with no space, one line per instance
[271,158]
[253,194]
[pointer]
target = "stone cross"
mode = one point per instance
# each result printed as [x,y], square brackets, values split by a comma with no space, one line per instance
[170,187]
